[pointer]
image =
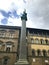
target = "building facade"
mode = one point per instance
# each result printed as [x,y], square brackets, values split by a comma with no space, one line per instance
[37,41]
[9,38]
[38,46]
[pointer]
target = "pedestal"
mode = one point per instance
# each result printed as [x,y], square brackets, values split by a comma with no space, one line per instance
[22,62]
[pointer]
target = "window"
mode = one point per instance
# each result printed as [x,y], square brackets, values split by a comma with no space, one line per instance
[46,41]
[44,53]
[9,46]
[42,41]
[2,33]
[33,52]
[5,60]
[38,52]
[8,49]
[36,41]
[11,35]
[32,40]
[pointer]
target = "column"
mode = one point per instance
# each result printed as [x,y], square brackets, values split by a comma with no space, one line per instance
[23,45]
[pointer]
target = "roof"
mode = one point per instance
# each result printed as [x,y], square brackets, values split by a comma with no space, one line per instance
[41,31]
[9,27]
[31,30]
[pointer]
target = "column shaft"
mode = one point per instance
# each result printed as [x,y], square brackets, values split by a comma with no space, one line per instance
[23,45]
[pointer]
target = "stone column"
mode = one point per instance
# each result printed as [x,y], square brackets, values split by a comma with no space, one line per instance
[23,45]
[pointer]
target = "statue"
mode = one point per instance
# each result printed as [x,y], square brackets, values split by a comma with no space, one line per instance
[24,16]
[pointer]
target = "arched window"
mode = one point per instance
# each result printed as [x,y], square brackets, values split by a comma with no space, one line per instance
[39,52]
[42,41]
[36,40]
[9,46]
[46,41]
[33,52]
[44,53]
[8,49]
[32,40]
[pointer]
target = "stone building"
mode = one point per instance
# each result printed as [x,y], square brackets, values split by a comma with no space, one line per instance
[37,45]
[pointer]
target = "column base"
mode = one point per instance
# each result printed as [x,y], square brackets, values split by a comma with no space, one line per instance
[22,62]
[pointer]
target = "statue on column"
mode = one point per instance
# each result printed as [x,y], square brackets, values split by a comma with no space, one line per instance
[24,16]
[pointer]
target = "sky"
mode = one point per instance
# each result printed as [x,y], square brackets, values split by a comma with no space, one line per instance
[37,13]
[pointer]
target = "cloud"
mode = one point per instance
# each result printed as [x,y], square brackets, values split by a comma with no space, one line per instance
[4,13]
[24,1]
[1,16]
[14,21]
[11,9]
[5,16]
[9,13]
[8,5]
[15,14]
[38,12]
[4,21]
